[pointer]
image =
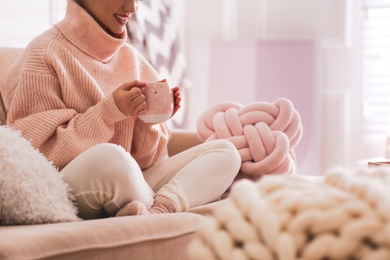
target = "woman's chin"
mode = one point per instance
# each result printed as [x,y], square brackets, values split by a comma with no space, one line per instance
[116,33]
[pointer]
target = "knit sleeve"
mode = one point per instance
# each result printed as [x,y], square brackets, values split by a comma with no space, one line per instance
[60,133]
[149,143]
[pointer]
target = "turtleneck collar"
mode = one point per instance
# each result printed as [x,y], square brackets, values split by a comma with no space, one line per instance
[81,29]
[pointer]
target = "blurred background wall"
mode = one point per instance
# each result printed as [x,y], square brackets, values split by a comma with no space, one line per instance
[309,51]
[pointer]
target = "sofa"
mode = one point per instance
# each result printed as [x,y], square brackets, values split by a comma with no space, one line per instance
[163,236]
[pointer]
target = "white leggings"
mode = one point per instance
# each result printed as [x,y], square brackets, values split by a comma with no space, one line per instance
[105,177]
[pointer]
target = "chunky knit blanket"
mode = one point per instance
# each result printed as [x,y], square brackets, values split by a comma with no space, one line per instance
[264,133]
[344,215]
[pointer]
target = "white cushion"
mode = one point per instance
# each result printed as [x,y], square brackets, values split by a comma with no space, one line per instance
[32,191]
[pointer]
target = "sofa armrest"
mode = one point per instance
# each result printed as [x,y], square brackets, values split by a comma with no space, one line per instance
[8,57]
[182,140]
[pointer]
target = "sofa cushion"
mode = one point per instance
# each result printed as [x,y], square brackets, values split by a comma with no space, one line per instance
[163,236]
[31,189]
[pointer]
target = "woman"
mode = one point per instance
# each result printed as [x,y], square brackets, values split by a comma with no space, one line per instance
[76,94]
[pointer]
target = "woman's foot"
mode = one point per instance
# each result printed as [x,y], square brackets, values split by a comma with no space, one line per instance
[161,205]
[132,209]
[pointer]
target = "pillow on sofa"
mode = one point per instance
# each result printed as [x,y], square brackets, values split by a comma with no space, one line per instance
[31,189]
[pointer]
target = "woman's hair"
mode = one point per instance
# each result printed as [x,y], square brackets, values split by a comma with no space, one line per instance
[80,2]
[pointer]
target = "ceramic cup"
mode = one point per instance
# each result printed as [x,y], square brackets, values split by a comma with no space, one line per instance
[159,102]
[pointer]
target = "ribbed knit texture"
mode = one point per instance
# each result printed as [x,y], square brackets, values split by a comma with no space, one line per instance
[60,92]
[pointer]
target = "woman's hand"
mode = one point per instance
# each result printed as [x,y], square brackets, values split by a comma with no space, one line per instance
[129,98]
[177,100]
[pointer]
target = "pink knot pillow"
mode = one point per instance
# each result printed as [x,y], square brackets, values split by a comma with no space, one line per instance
[264,133]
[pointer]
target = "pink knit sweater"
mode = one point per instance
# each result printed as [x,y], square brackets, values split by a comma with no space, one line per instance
[60,92]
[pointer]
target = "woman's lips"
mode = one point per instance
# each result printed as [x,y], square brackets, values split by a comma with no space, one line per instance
[121,19]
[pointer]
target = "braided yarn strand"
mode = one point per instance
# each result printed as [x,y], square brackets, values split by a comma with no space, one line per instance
[343,215]
[263,133]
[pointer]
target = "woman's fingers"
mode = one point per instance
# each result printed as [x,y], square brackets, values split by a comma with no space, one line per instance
[137,100]
[133,84]
[129,98]
[177,99]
